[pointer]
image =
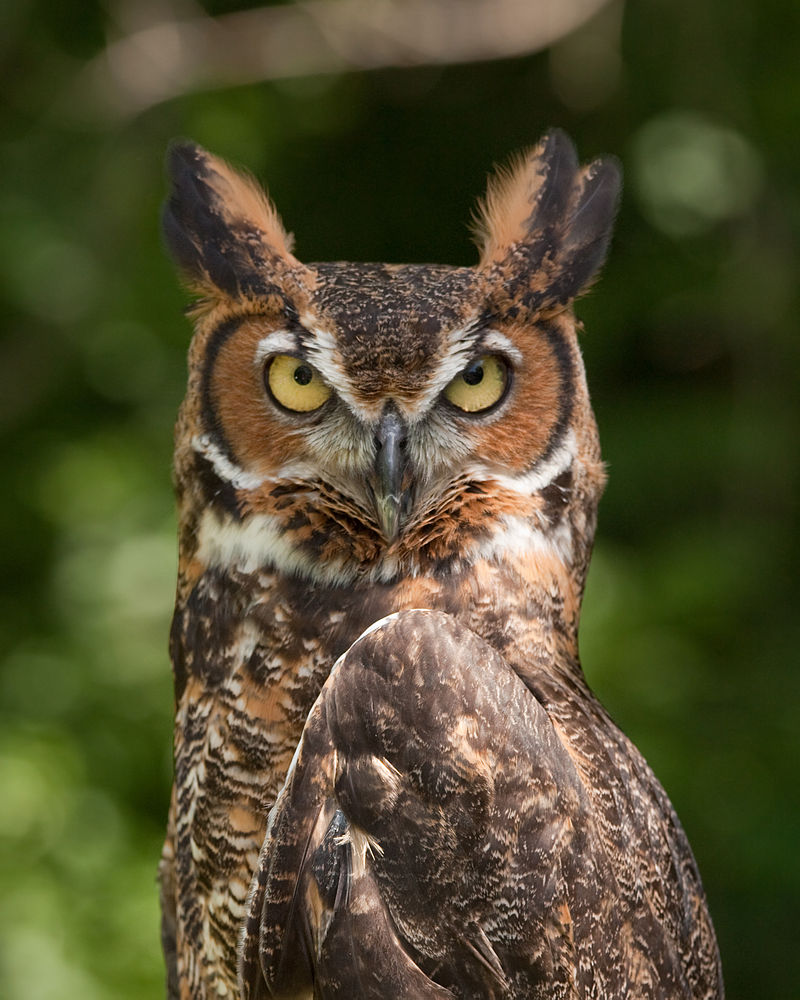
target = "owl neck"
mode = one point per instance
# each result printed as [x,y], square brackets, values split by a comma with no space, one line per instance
[521,591]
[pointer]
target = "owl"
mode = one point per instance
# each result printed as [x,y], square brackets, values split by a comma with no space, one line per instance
[391,778]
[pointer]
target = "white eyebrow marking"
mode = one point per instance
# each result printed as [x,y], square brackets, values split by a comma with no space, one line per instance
[277,342]
[493,340]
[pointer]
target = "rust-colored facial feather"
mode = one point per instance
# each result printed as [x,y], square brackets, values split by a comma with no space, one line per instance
[261,439]
[540,401]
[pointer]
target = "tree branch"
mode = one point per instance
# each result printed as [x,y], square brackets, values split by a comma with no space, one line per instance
[174,57]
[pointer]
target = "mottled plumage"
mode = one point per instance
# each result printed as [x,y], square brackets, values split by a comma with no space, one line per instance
[391,779]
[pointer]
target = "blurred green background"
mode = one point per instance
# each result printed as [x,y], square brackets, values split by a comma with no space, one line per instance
[691,628]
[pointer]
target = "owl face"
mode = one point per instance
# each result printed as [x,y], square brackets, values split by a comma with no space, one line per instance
[343,418]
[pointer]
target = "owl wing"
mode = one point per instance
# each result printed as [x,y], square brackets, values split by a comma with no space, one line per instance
[422,843]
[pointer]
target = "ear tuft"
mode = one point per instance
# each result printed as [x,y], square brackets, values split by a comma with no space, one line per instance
[220,226]
[545,224]
[534,182]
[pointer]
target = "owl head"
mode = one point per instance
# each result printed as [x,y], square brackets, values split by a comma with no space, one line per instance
[348,420]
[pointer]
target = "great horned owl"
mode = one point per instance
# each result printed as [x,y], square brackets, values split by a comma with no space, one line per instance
[391,779]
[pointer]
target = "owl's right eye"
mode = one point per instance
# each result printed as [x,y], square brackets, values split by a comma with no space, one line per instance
[294,384]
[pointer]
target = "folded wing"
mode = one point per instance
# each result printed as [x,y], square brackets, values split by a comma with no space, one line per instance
[425,836]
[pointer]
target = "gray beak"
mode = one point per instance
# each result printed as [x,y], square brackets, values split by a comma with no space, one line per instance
[390,466]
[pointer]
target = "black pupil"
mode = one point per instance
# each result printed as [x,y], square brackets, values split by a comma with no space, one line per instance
[474,374]
[303,374]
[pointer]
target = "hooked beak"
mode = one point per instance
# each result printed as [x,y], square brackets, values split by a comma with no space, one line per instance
[390,466]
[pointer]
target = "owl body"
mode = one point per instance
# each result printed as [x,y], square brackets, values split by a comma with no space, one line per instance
[391,778]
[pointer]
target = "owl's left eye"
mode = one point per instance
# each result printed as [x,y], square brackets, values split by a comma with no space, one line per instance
[294,384]
[482,384]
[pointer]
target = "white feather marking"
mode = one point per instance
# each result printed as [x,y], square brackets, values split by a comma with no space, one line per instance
[227,470]
[462,346]
[255,543]
[214,739]
[459,351]
[248,637]
[361,843]
[518,536]
[388,773]
[540,476]
[246,545]
[323,352]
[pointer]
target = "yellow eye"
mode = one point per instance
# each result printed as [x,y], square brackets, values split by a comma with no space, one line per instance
[295,385]
[482,384]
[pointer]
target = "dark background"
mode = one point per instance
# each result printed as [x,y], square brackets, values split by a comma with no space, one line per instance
[690,632]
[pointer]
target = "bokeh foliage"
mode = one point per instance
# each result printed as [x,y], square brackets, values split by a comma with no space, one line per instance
[690,630]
